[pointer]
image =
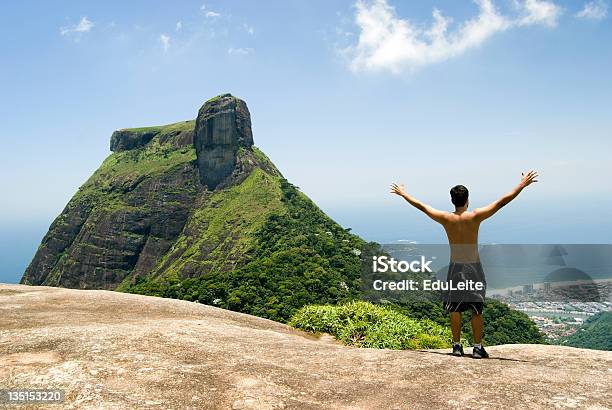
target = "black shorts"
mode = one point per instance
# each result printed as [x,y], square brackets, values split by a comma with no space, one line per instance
[476,307]
[456,300]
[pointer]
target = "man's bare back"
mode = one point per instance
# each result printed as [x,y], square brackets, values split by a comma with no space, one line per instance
[462,232]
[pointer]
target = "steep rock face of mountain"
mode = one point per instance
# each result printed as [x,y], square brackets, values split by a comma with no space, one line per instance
[194,205]
[222,128]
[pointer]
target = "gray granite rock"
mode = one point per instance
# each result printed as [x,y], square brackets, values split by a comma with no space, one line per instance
[223,126]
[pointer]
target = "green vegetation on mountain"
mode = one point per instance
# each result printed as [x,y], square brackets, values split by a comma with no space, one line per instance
[298,256]
[122,171]
[595,333]
[224,226]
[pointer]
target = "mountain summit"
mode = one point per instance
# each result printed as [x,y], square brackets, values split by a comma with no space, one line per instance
[193,210]
[223,127]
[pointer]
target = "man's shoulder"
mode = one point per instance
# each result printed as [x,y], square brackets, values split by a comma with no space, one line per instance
[467,215]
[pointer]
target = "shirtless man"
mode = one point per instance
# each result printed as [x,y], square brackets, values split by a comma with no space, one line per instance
[461,228]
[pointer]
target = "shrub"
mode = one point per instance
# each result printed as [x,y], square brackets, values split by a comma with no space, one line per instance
[503,325]
[363,324]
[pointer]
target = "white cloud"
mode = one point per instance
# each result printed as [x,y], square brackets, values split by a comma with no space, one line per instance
[248,29]
[83,26]
[165,41]
[179,25]
[539,12]
[212,14]
[240,51]
[203,7]
[594,10]
[388,42]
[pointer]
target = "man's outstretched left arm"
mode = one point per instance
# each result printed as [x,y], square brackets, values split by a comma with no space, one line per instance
[433,213]
[490,210]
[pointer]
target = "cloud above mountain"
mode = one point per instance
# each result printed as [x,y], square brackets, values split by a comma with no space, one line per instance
[388,42]
[594,10]
[83,26]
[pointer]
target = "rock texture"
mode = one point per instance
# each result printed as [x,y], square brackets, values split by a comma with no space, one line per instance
[223,127]
[151,209]
[123,140]
[114,350]
[179,134]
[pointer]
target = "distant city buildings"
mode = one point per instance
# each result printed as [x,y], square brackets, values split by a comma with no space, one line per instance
[584,291]
[558,311]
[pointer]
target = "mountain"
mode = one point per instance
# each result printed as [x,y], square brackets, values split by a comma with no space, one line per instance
[193,210]
[595,333]
[114,350]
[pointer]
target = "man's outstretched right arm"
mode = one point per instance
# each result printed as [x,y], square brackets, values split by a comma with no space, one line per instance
[490,210]
[433,213]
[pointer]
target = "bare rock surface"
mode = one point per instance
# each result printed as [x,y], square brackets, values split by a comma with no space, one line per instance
[115,350]
[223,127]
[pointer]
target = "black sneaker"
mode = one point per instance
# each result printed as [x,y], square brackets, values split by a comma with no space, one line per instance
[479,353]
[457,349]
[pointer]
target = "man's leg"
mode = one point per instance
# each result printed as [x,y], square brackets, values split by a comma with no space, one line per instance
[479,352]
[455,318]
[477,327]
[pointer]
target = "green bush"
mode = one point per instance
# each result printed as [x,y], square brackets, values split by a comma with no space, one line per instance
[502,324]
[363,324]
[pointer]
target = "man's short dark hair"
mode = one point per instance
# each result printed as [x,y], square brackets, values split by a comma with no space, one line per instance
[459,195]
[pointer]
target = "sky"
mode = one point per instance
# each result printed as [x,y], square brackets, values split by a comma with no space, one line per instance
[346,97]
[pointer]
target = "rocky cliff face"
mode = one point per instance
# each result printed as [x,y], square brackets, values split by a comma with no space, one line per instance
[223,127]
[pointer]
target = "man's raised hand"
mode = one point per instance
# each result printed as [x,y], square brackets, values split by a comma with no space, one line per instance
[398,189]
[529,178]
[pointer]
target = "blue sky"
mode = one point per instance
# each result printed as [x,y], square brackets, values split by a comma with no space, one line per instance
[346,97]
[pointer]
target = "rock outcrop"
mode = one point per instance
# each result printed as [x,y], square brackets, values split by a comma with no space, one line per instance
[181,135]
[123,140]
[223,126]
[114,350]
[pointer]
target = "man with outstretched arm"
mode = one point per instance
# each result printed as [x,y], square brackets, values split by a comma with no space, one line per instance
[461,228]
